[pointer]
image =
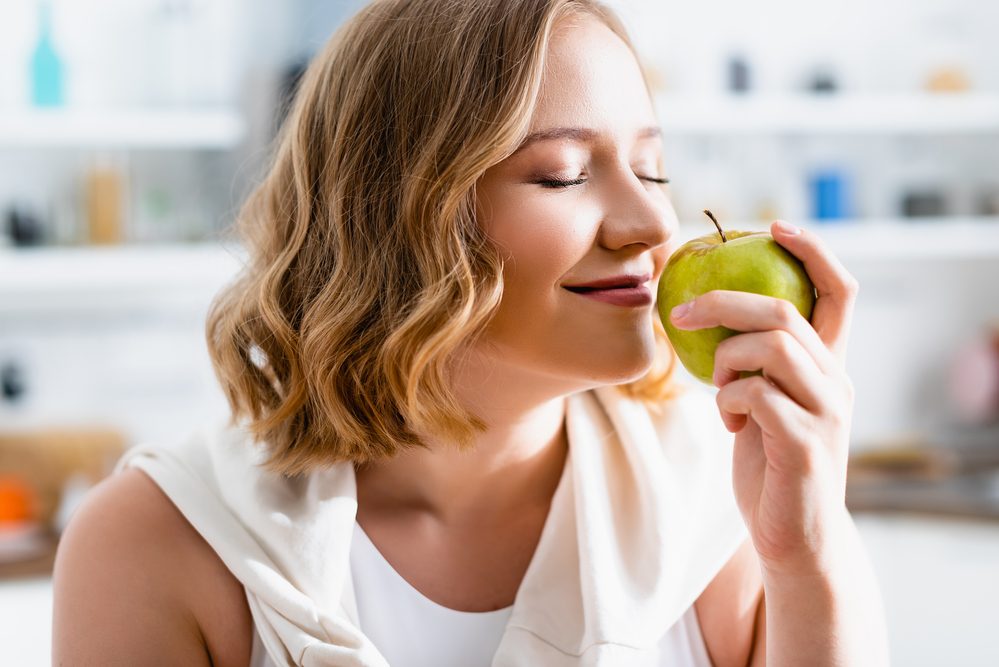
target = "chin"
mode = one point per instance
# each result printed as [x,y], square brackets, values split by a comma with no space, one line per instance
[632,368]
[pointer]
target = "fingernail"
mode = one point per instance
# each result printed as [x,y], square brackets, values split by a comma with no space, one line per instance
[787,228]
[682,310]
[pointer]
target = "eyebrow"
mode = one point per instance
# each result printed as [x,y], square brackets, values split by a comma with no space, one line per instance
[579,134]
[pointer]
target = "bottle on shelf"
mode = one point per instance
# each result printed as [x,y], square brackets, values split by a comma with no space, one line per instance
[830,194]
[46,66]
[739,80]
[104,198]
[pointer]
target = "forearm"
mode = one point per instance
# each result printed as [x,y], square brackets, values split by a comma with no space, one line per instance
[836,618]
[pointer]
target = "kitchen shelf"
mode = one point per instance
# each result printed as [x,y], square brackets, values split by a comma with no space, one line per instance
[119,129]
[910,239]
[833,113]
[75,279]
[90,276]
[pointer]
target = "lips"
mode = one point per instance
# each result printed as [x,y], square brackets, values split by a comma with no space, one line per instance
[639,295]
[614,282]
[587,290]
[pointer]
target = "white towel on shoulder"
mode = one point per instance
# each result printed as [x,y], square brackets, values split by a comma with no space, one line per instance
[643,519]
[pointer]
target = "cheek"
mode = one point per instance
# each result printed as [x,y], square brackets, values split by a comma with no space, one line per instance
[542,241]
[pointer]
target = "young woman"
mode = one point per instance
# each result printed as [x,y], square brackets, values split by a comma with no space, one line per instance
[444,451]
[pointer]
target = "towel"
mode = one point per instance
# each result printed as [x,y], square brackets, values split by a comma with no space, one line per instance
[642,520]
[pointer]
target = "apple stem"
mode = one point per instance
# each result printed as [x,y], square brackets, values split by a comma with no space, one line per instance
[720,232]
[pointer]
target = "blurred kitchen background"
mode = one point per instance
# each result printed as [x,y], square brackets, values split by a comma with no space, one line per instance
[131,130]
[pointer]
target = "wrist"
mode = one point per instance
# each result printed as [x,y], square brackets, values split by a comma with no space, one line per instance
[825,555]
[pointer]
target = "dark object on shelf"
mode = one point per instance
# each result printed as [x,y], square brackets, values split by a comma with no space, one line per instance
[23,228]
[988,202]
[738,75]
[923,204]
[823,81]
[12,385]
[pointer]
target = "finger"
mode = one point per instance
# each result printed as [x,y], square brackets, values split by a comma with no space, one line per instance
[781,358]
[779,418]
[837,289]
[746,311]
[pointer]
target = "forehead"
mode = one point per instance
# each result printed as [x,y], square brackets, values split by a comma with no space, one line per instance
[591,79]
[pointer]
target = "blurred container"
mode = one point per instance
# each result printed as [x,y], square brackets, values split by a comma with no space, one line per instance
[13,386]
[922,184]
[104,192]
[830,195]
[18,501]
[46,66]
[974,378]
[738,74]
[822,80]
[988,202]
[948,79]
[155,216]
[22,534]
[924,204]
[23,227]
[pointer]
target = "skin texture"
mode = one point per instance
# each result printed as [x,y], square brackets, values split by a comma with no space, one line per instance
[135,584]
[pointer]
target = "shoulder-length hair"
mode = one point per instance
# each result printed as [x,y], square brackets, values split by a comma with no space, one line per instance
[366,267]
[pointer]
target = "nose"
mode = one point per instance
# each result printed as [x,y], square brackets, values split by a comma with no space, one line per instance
[635,211]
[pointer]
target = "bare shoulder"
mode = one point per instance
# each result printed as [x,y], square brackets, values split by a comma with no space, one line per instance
[728,608]
[135,583]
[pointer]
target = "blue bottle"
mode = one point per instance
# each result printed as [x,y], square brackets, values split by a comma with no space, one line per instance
[46,68]
[829,195]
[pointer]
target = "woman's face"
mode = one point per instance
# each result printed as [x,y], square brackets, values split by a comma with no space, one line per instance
[578,207]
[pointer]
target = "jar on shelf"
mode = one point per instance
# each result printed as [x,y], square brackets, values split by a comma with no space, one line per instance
[104,196]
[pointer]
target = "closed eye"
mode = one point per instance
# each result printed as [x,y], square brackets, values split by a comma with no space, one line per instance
[556,184]
[561,184]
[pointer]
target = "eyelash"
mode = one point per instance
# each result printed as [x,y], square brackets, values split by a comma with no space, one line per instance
[565,184]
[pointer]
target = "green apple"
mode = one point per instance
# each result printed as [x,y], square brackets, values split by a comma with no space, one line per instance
[734,260]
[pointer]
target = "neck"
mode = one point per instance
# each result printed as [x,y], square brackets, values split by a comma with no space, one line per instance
[512,466]
[517,463]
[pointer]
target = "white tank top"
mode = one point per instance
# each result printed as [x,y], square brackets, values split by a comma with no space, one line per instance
[411,630]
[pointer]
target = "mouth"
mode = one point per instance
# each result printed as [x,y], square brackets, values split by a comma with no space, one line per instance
[632,296]
[588,290]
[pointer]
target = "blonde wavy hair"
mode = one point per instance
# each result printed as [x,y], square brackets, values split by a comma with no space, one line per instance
[366,268]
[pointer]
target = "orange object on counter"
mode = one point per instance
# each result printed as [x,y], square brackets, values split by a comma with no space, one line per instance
[49,457]
[18,500]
